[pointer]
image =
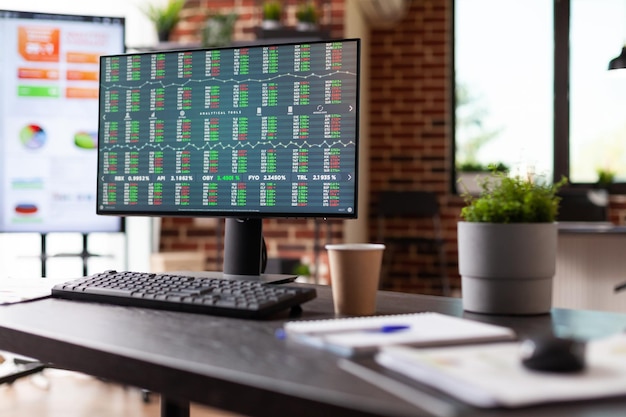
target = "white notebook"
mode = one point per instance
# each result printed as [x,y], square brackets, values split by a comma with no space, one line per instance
[492,375]
[352,336]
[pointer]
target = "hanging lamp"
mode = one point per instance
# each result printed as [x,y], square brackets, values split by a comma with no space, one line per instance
[618,62]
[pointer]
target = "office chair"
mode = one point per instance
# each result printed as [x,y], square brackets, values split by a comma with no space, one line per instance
[395,209]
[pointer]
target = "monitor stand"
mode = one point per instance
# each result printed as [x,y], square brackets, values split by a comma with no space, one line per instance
[243,254]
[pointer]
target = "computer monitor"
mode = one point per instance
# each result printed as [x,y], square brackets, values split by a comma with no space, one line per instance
[49,118]
[245,133]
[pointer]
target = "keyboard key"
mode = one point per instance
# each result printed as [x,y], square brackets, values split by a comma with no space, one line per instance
[114,292]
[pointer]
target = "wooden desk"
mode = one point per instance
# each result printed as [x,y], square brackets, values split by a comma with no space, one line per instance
[239,365]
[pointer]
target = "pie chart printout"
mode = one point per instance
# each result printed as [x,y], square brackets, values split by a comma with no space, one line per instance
[33,136]
[86,140]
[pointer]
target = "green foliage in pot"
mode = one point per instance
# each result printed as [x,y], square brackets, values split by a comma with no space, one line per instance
[164,17]
[513,199]
[218,30]
[478,167]
[605,176]
[302,270]
[307,13]
[272,10]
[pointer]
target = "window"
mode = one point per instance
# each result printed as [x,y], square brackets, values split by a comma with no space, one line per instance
[533,90]
[504,72]
[597,127]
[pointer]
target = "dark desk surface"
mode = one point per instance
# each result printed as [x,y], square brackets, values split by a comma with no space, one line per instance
[239,365]
[591,228]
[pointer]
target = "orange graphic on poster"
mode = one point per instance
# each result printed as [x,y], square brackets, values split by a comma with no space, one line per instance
[76,75]
[82,58]
[37,73]
[75,92]
[37,43]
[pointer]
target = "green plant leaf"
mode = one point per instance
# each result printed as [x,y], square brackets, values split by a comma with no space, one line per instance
[505,199]
[164,17]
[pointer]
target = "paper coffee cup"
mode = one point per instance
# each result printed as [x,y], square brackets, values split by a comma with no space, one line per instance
[354,276]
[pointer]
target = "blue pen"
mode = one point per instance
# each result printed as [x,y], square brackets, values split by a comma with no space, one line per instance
[391,328]
[324,340]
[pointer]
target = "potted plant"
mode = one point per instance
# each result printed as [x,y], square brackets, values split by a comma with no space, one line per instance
[307,16]
[507,245]
[272,13]
[218,30]
[164,17]
[606,176]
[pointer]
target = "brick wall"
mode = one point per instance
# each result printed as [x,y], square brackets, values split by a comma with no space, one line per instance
[196,13]
[410,129]
[617,209]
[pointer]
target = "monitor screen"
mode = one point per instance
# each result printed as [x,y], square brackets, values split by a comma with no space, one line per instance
[243,133]
[48,120]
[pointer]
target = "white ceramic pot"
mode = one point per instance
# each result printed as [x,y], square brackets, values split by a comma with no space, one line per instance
[507,268]
[270,24]
[306,27]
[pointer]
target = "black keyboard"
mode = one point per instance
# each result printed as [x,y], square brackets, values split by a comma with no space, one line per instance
[213,296]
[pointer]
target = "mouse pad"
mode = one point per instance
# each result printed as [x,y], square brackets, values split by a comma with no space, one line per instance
[492,375]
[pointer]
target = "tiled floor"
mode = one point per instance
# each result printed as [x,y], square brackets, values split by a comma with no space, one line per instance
[57,393]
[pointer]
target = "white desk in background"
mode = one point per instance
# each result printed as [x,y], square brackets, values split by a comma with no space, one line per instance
[591,261]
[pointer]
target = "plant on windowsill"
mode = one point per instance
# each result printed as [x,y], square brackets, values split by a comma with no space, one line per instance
[478,167]
[302,271]
[272,13]
[307,16]
[164,17]
[218,30]
[606,176]
[470,174]
[507,245]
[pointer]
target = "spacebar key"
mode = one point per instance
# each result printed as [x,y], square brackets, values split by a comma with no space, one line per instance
[119,292]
